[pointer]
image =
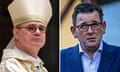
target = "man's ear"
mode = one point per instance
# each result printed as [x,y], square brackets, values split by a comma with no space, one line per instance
[15,33]
[73,30]
[104,27]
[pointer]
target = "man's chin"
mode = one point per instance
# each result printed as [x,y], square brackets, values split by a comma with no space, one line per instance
[37,45]
[91,44]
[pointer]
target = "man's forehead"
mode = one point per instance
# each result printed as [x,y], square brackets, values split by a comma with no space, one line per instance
[33,23]
[87,17]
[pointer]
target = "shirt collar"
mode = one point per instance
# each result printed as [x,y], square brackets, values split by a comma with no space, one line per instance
[99,49]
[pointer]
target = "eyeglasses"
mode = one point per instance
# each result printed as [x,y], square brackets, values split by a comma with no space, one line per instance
[33,28]
[84,27]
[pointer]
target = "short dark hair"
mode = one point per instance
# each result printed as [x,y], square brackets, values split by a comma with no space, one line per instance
[86,8]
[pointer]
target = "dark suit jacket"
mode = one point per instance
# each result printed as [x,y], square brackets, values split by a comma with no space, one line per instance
[71,59]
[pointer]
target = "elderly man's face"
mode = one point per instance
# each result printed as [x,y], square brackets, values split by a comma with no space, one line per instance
[30,35]
[89,29]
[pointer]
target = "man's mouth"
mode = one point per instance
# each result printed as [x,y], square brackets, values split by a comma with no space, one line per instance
[91,39]
[37,39]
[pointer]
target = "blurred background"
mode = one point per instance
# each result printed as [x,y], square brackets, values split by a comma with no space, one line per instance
[111,9]
[50,52]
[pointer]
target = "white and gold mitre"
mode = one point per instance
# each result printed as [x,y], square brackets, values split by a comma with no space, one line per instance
[27,10]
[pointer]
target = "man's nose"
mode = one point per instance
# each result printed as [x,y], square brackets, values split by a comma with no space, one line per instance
[37,32]
[89,29]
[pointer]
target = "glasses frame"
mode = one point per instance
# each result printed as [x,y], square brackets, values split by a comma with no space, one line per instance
[33,28]
[89,25]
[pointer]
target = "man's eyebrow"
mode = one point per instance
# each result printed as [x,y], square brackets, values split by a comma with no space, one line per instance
[95,21]
[83,23]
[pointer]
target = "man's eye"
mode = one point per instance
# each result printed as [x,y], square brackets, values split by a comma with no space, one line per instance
[83,26]
[41,28]
[30,28]
[95,24]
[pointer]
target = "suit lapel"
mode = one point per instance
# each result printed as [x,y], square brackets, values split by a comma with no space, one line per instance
[107,58]
[75,60]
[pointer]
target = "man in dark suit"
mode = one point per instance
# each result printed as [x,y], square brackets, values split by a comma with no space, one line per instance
[91,54]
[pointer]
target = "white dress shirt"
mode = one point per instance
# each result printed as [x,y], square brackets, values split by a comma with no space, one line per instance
[88,64]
